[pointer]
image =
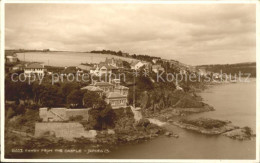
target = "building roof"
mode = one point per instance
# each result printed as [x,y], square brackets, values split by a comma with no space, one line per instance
[114,95]
[109,67]
[134,62]
[102,84]
[85,67]
[71,69]
[10,56]
[92,88]
[19,65]
[137,61]
[121,87]
[35,65]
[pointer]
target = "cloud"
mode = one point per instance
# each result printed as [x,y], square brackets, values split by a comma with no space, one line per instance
[191,33]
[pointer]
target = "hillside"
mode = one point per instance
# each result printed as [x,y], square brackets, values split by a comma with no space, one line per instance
[247,67]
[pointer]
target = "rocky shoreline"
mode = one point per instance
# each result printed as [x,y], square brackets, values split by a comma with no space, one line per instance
[170,114]
[216,127]
[126,132]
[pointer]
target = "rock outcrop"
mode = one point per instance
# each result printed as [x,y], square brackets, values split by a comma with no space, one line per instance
[216,127]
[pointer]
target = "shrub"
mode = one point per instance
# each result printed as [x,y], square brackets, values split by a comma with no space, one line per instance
[248,130]
[205,123]
[76,118]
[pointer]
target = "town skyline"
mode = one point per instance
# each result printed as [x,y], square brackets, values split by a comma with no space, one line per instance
[221,36]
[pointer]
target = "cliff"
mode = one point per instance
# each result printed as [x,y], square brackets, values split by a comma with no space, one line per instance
[174,102]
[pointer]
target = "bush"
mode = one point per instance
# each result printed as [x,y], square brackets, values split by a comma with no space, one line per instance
[248,130]
[25,122]
[143,122]
[76,118]
[205,123]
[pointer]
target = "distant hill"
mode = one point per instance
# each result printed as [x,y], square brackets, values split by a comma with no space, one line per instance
[247,67]
[120,53]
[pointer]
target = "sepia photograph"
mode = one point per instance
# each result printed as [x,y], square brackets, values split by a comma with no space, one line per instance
[129,81]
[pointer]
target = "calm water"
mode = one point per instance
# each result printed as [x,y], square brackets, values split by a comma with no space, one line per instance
[65,58]
[234,102]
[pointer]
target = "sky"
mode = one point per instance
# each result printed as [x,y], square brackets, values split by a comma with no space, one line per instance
[194,34]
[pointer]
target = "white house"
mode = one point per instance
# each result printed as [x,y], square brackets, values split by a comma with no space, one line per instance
[135,65]
[11,59]
[116,99]
[34,68]
[157,68]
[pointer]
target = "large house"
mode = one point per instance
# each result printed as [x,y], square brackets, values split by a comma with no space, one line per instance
[118,63]
[103,69]
[116,94]
[116,100]
[34,68]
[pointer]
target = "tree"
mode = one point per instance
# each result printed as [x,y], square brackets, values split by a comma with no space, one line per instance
[51,96]
[25,91]
[126,64]
[10,113]
[74,99]
[91,99]
[67,88]
[119,53]
[11,92]
[102,116]
[37,90]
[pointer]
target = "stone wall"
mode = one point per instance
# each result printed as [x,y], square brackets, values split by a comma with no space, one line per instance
[62,114]
[64,130]
[77,112]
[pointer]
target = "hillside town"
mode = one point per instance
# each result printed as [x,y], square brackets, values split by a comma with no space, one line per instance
[118,109]
[114,91]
